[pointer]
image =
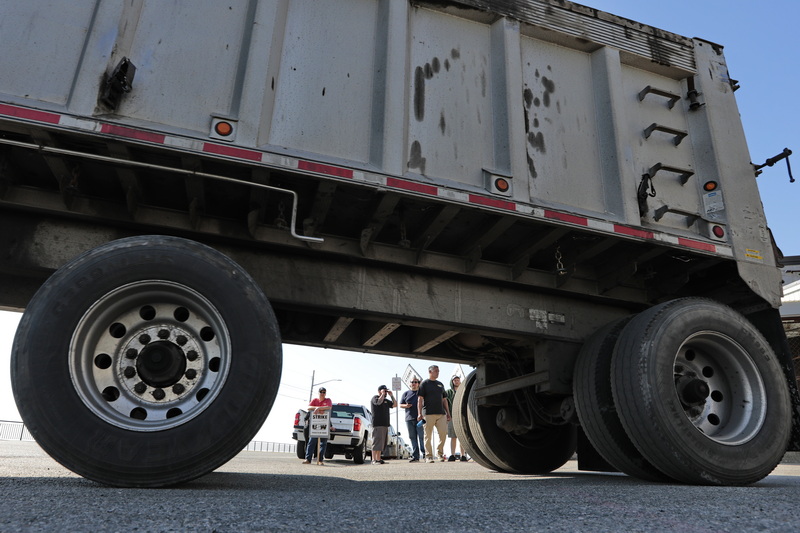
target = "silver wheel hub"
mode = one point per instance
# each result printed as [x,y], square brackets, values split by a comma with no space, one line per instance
[720,388]
[149,355]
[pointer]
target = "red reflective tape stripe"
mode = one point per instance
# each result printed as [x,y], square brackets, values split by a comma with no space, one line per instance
[697,245]
[30,114]
[633,232]
[325,169]
[132,133]
[492,202]
[412,186]
[231,151]
[564,217]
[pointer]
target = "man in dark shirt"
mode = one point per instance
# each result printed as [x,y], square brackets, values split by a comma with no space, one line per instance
[432,406]
[416,433]
[381,405]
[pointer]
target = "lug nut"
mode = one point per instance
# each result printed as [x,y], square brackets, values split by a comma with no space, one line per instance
[178,388]
[159,394]
[191,373]
[144,338]
[129,372]
[131,353]
[163,334]
[191,355]
[139,388]
[181,340]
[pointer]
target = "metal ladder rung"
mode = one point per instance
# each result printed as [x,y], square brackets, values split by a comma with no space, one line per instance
[691,218]
[679,134]
[672,97]
[685,173]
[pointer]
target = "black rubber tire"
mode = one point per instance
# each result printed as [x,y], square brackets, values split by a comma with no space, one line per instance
[597,413]
[739,432]
[82,429]
[301,449]
[461,424]
[539,451]
[359,454]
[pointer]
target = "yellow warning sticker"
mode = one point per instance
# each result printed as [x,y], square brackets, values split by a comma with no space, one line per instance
[753,254]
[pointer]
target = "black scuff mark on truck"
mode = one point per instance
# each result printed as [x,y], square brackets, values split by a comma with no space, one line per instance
[659,53]
[549,88]
[536,140]
[419,94]
[442,123]
[531,166]
[415,157]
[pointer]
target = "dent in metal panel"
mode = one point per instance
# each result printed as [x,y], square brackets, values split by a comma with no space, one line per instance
[50,35]
[561,127]
[324,90]
[450,123]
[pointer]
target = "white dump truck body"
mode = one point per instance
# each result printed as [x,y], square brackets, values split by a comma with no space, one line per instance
[490,183]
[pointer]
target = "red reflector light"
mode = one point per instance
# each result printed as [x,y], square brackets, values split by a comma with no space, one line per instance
[297,419]
[223,128]
[718,231]
[710,186]
[356,424]
[502,184]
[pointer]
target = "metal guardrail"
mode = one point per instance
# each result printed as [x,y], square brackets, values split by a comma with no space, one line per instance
[18,431]
[278,447]
[14,431]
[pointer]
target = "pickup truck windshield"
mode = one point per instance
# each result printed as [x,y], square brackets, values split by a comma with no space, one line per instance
[346,411]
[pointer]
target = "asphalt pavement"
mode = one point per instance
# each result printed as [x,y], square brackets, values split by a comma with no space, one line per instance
[259,491]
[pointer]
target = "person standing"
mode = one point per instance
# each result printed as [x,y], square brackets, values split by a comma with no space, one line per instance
[432,406]
[382,403]
[415,432]
[321,404]
[455,382]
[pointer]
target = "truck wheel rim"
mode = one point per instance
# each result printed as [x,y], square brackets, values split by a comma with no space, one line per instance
[149,355]
[720,388]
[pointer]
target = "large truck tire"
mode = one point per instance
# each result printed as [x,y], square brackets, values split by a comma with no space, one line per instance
[461,424]
[148,361]
[701,394]
[596,409]
[538,451]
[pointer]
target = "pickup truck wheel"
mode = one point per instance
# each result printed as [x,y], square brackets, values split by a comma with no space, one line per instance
[148,361]
[701,394]
[461,424]
[596,409]
[539,451]
[301,449]
[360,453]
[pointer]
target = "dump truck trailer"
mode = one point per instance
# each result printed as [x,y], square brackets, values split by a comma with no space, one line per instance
[556,196]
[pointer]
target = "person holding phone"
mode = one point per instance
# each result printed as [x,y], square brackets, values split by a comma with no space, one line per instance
[382,403]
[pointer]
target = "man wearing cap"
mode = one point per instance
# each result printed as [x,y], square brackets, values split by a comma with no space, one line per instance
[381,405]
[318,404]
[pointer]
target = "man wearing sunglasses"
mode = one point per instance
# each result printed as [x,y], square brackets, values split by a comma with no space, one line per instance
[416,433]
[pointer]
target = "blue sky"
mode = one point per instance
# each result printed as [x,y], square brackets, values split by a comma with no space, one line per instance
[761,52]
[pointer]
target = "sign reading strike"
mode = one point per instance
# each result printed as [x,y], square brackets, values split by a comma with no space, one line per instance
[320,426]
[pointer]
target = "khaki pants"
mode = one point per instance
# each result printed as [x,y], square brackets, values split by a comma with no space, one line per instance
[440,422]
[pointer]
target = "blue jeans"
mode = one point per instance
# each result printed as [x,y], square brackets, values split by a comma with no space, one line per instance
[417,436]
[312,447]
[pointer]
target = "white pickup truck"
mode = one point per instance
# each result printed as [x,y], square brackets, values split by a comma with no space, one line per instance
[351,432]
